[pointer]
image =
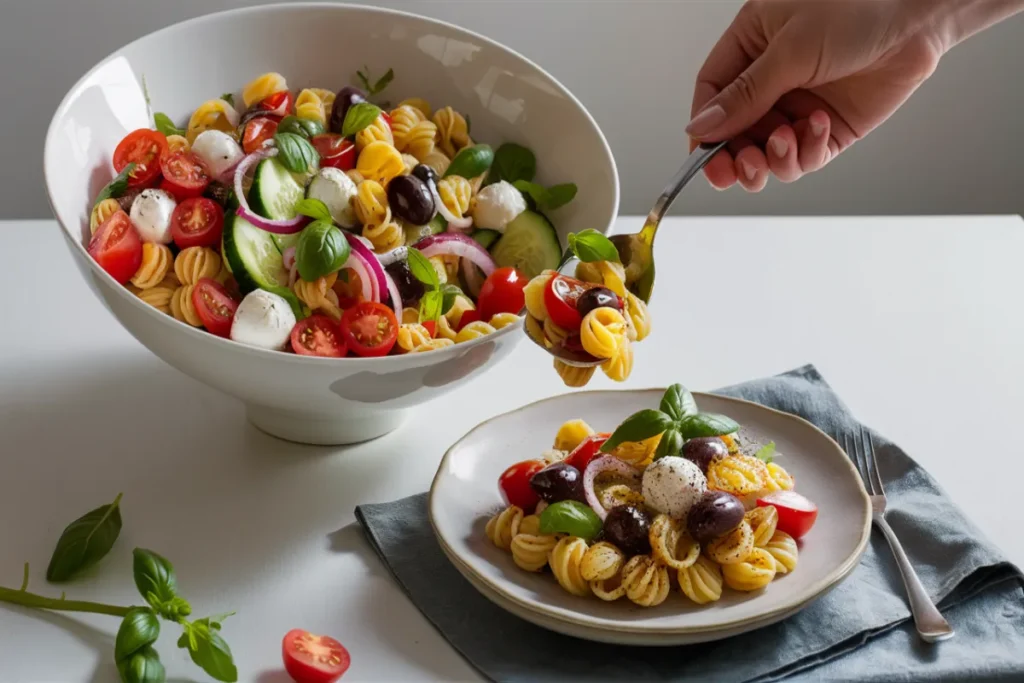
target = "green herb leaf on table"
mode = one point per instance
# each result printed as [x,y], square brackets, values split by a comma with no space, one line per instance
[306,128]
[154,577]
[209,650]
[116,187]
[369,86]
[570,517]
[471,162]
[138,629]
[513,162]
[314,208]
[358,117]
[296,153]
[590,245]
[422,269]
[214,621]
[766,452]
[321,249]
[229,98]
[449,293]
[85,541]
[706,424]
[165,125]
[144,666]
[637,427]
[671,443]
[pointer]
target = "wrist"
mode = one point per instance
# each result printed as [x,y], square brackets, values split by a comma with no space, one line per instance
[954,21]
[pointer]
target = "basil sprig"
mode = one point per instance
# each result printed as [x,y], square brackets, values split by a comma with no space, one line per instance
[296,153]
[165,125]
[766,452]
[137,661]
[547,198]
[321,249]
[371,87]
[116,187]
[358,117]
[677,420]
[570,517]
[306,128]
[438,298]
[471,162]
[85,541]
[589,245]
[513,162]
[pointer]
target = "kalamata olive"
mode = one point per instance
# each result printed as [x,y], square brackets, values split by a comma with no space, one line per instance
[425,173]
[716,513]
[704,450]
[596,297]
[558,481]
[628,527]
[126,199]
[411,200]
[409,288]
[345,98]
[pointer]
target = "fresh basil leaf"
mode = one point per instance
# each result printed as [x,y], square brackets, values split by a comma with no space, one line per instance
[538,194]
[766,452]
[471,162]
[296,153]
[449,293]
[590,245]
[165,125]
[430,305]
[560,195]
[209,650]
[229,98]
[383,82]
[706,424]
[306,128]
[314,208]
[513,162]
[321,249]
[364,79]
[154,577]
[422,269]
[637,427]
[116,187]
[570,517]
[85,541]
[671,443]
[358,117]
[214,621]
[144,666]
[175,608]
[139,628]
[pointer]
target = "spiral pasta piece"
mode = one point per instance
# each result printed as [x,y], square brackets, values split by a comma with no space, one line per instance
[619,367]
[783,548]
[452,130]
[211,115]
[732,547]
[730,443]
[433,345]
[411,162]
[755,572]
[380,162]
[438,161]
[739,475]
[417,103]
[403,119]
[194,263]
[355,176]
[670,544]
[384,236]
[500,320]
[178,143]
[371,203]
[456,193]
[638,317]
[182,307]
[554,334]
[159,296]
[603,331]
[534,295]
[101,212]
[601,561]
[535,329]
[701,581]
[565,559]
[571,434]
[778,479]
[572,375]
[156,263]
[607,273]
[646,582]
[319,295]
[411,335]
[762,521]
[637,453]
[378,131]
[503,526]
[309,105]
[618,494]
[530,550]
[530,524]
[409,315]
[474,330]
[263,86]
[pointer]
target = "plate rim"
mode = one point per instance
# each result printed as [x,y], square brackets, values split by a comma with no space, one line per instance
[843,570]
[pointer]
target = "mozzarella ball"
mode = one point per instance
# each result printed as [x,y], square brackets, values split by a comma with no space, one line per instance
[218,151]
[673,485]
[151,214]
[497,205]
[264,320]
[335,189]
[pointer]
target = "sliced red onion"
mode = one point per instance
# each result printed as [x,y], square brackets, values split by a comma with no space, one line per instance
[474,278]
[288,257]
[358,264]
[280,227]
[396,298]
[457,244]
[605,463]
[375,271]
[394,256]
[454,223]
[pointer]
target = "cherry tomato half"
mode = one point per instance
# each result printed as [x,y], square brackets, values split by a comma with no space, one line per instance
[184,175]
[430,326]
[309,658]
[116,247]
[257,131]
[796,514]
[335,151]
[280,103]
[560,297]
[318,335]
[369,329]
[349,288]
[502,292]
[197,222]
[515,484]
[144,148]
[214,306]
[588,449]
[470,315]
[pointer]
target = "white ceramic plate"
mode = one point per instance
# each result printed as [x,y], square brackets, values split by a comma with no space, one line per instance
[464,494]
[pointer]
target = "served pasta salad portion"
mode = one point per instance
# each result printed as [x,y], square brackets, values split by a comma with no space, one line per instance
[320,223]
[672,498]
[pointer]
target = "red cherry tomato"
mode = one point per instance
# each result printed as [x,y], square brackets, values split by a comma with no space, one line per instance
[184,174]
[318,335]
[335,151]
[214,306]
[471,315]
[116,247]
[369,329]
[588,449]
[144,148]
[349,288]
[197,222]
[310,658]
[430,326]
[502,292]
[257,131]
[560,297]
[796,514]
[515,484]
[280,103]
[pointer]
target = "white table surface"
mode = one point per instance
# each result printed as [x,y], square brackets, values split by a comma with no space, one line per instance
[918,323]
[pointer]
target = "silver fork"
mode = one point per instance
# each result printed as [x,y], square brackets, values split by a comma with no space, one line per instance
[931,625]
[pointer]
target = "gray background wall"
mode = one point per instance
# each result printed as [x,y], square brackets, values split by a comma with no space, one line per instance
[954,148]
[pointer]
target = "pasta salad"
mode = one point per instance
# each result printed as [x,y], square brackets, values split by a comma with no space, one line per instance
[320,223]
[673,497]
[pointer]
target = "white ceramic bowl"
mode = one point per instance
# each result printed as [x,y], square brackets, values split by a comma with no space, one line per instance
[316,400]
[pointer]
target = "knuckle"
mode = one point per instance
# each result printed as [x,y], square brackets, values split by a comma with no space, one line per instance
[744,90]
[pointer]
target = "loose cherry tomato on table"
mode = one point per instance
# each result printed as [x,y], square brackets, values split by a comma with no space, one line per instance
[197,222]
[117,247]
[214,306]
[796,514]
[515,484]
[309,658]
[502,292]
[280,103]
[470,315]
[369,329]
[335,151]
[184,175]
[257,131]
[560,297]
[318,335]
[588,449]
[144,148]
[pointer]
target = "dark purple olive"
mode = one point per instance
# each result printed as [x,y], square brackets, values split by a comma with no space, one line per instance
[627,528]
[220,193]
[425,173]
[126,199]
[409,288]
[716,513]
[411,200]
[704,450]
[597,297]
[345,98]
[558,481]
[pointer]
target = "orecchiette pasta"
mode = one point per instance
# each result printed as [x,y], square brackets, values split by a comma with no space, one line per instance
[755,572]
[378,131]
[565,559]
[319,295]
[670,544]
[702,581]
[263,86]
[384,236]
[783,548]
[500,320]
[438,161]
[178,143]
[456,193]
[159,296]
[503,526]
[156,263]
[603,332]
[571,434]
[530,550]
[601,561]
[572,375]
[101,212]
[732,547]
[473,330]
[182,307]
[194,263]
[411,335]
[646,582]
[452,131]
[433,345]
[211,115]
[380,162]
[762,521]
[417,103]
[534,293]
[739,475]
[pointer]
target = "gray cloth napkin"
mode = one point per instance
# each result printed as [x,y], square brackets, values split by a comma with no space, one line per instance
[861,631]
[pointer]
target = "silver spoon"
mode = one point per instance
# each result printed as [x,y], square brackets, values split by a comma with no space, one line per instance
[636,250]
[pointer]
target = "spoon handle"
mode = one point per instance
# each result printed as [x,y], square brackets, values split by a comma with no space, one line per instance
[697,160]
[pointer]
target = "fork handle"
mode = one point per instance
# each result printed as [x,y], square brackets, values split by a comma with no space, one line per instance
[697,160]
[931,625]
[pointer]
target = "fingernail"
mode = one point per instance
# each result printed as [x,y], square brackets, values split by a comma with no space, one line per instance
[817,129]
[706,121]
[779,146]
[748,170]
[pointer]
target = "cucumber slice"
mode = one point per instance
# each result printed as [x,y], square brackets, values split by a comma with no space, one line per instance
[530,245]
[274,194]
[414,233]
[254,260]
[485,238]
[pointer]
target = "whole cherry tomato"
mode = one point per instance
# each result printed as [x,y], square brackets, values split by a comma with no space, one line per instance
[502,292]
[515,484]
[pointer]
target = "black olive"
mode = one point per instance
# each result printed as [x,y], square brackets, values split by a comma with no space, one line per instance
[126,199]
[597,297]
[425,173]
[411,200]
[627,528]
[345,98]
[704,450]
[716,513]
[558,481]
[409,288]
[219,192]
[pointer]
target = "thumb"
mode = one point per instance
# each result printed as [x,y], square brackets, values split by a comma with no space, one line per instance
[746,99]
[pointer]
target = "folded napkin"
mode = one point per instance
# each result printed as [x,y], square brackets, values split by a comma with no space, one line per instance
[860,631]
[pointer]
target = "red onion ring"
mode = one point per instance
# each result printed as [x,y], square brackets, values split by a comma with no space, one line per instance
[281,227]
[375,271]
[290,264]
[396,297]
[605,463]
[454,222]
[457,244]
[362,269]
